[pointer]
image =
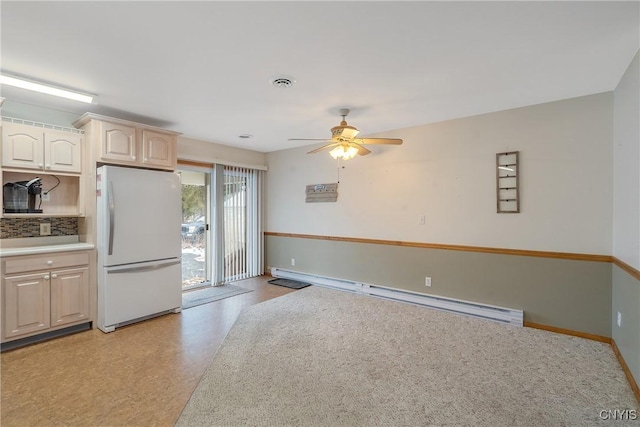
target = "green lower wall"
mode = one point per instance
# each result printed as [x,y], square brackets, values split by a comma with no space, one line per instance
[567,294]
[626,300]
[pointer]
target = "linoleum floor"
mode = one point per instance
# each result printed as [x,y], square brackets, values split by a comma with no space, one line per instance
[139,375]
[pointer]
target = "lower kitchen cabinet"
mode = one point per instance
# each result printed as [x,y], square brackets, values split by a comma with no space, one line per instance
[26,304]
[69,296]
[44,293]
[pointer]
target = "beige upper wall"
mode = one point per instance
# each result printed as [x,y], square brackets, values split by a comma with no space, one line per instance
[202,151]
[626,169]
[626,216]
[446,172]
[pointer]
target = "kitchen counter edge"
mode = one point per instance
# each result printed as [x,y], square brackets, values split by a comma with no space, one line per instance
[46,249]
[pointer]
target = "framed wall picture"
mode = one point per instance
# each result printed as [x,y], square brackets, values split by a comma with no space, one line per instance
[508,182]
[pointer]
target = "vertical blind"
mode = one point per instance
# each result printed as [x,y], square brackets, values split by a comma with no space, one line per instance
[241,212]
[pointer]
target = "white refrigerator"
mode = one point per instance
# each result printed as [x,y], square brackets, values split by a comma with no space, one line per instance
[139,245]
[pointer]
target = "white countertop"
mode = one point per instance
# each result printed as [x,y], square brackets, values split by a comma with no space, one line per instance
[42,245]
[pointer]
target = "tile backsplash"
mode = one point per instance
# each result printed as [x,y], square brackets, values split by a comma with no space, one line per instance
[11,228]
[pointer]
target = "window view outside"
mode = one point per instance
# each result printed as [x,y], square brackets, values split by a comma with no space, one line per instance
[194,222]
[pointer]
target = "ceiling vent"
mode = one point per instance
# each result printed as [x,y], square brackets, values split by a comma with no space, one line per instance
[283,82]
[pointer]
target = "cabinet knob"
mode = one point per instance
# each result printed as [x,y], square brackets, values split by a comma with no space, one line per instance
[47,166]
[133,157]
[49,262]
[40,165]
[54,276]
[46,277]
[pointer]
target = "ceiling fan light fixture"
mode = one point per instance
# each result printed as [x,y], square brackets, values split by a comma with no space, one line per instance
[343,142]
[340,152]
[350,153]
[337,152]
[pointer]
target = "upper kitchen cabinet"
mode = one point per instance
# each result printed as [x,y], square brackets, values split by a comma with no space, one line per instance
[127,143]
[54,155]
[159,149]
[43,149]
[118,143]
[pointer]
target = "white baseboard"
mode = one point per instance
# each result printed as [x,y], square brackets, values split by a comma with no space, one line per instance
[469,308]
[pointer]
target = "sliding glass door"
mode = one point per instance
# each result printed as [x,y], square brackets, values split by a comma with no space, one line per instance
[221,225]
[235,224]
[196,235]
[242,223]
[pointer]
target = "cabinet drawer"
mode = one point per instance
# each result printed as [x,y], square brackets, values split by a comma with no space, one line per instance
[45,262]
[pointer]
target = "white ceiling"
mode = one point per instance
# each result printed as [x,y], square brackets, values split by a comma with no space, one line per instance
[203,68]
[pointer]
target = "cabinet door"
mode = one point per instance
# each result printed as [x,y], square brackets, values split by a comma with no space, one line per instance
[69,296]
[63,151]
[22,146]
[158,149]
[118,144]
[26,304]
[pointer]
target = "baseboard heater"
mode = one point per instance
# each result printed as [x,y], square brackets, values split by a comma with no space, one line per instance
[484,311]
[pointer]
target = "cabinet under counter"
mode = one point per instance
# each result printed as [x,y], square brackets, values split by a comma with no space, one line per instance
[46,292]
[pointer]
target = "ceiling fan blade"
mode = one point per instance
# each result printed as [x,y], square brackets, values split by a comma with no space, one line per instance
[361,150]
[323,147]
[309,139]
[389,141]
[348,132]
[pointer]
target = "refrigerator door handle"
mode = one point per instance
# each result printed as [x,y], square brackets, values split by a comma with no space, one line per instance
[142,268]
[111,217]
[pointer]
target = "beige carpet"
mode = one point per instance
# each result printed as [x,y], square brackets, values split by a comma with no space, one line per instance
[320,357]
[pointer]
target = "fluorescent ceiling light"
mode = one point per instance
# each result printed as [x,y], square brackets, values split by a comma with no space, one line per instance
[39,87]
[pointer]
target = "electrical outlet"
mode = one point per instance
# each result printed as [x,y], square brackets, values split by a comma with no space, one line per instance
[45,197]
[45,229]
[427,281]
[619,320]
[293,261]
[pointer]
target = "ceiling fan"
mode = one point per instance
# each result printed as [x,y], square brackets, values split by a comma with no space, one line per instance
[344,141]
